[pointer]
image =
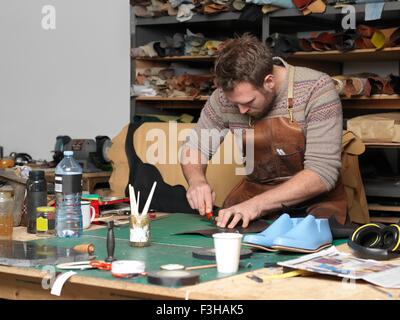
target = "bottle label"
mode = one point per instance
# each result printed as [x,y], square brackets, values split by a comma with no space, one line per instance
[42,224]
[68,184]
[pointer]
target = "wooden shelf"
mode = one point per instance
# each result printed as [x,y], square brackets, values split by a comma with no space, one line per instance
[374,102]
[379,207]
[170,20]
[177,58]
[382,144]
[171,99]
[385,219]
[386,54]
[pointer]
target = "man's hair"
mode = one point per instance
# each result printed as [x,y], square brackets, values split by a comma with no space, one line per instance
[243,59]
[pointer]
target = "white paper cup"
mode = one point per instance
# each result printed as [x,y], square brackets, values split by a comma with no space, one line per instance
[227,251]
[88,214]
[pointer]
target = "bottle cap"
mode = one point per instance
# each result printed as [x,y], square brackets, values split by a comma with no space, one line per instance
[45,209]
[68,153]
[36,175]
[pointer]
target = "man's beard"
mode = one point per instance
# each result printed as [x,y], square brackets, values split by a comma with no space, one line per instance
[269,99]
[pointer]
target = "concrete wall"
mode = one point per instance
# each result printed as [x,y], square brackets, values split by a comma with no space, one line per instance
[72,80]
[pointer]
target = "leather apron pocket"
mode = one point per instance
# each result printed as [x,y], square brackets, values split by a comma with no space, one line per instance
[288,159]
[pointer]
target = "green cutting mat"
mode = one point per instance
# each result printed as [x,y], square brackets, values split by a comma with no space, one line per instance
[165,248]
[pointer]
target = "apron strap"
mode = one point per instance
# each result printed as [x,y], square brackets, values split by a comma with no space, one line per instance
[290,93]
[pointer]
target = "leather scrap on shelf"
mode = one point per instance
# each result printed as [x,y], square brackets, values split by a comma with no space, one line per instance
[357,206]
[350,86]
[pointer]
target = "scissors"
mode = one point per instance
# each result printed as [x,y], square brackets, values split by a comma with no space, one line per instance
[85,265]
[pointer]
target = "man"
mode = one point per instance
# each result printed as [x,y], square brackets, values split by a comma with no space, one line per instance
[297,120]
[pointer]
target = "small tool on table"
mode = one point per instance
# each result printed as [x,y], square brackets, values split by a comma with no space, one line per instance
[175,267]
[84,265]
[85,248]
[210,216]
[110,242]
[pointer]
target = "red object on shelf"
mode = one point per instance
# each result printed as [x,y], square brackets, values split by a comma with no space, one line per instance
[111,200]
[103,201]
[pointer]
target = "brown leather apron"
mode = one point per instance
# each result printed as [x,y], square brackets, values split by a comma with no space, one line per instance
[279,147]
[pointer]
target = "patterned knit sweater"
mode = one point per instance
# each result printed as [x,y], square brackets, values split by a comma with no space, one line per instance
[317,109]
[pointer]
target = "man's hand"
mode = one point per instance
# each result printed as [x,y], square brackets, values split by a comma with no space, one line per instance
[201,197]
[246,211]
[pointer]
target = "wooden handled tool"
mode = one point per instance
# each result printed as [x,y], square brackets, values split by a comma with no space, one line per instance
[85,248]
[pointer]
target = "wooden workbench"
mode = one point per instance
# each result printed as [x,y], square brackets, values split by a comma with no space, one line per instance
[26,283]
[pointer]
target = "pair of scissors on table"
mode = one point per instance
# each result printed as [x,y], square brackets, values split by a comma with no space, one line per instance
[85,265]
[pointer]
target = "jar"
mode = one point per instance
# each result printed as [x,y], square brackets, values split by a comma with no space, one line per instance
[6,215]
[139,231]
[45,220]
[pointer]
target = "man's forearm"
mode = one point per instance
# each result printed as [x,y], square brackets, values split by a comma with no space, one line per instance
[194,166]
[301,187]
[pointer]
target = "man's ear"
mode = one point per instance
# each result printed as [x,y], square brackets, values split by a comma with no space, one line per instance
[269,82]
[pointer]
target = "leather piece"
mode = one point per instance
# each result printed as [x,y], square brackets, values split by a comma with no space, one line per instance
[395,83]
[385,37]
[395,38]
[251,12]
[365,31]
[305,45]
[301,4]
[377,84]
[214,8]
[238,4]
[324,41]
[357,206]
[255,226]
[363,43]
[317,6]
[349,86]
[282,44]
[160,51]
[345,41]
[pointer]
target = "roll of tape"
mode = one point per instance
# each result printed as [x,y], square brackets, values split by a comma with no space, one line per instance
[209,254]
[121,267]
[173,278]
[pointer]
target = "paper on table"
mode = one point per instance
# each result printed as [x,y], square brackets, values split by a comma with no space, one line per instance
[335,263]
[59,282]
[387,279]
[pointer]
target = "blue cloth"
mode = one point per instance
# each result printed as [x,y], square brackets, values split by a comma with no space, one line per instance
[373,11]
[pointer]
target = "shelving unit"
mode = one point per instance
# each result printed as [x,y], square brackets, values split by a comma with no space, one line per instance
[375,103]
[172,103]
[282,21]
[364,55]
[382,144]
[154,29]
[156,98]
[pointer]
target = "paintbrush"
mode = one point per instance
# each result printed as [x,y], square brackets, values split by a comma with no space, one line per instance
[132,201]
[147,205]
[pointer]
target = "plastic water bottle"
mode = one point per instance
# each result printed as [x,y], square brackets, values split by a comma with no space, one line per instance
[68,188]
